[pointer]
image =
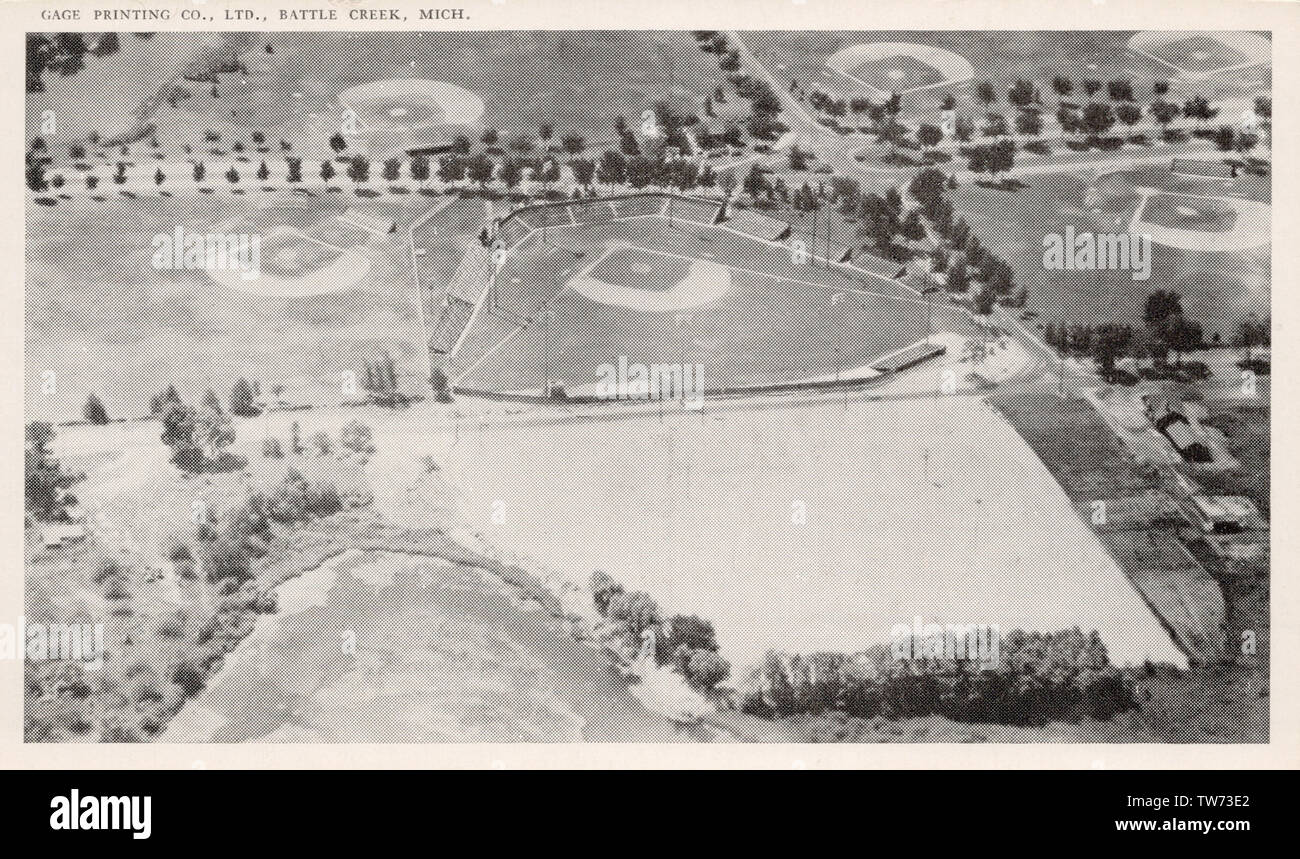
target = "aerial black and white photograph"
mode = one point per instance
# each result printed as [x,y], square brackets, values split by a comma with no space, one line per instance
[646,386]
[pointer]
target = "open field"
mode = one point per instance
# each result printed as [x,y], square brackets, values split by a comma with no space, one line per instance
[931,507]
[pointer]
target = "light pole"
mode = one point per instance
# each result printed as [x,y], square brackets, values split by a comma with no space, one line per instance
[928,292]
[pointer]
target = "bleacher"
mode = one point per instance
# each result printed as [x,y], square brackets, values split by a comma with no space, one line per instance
[1209,169]
[472,275]
[696,211]
[451,322]
[551,215]
[907,357]
[632,207]
[877,264]
[513,231]
[592,212]
[759,226]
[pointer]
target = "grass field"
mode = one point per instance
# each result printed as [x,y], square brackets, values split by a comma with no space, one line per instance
[998,56]
[106,321]
[1218,287]
[659,291]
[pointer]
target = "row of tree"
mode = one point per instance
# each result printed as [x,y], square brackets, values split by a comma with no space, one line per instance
[1038,678]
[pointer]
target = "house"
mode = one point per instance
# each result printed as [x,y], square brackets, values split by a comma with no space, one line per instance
[57,534]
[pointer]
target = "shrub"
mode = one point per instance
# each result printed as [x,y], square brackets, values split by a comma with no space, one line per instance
[356,437]
[686,631]
[173,625]
[272,449]
[323,500]
[706,669]
[116,588]
[178,550]
[225,559]
[322,444]
[189,677]
[107,568]
[636,611]
[603,589]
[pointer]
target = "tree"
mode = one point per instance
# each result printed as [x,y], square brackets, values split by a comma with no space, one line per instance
[584,171]
[440,385]
[420,169]
[392,170]
[490,137]
[1112,341]
[178,422]
[380,381]
[1063,86]
[213,431]
[453,169]
[357,437]
[326,170]
[929,136]
[985,92]
[1182,335]
[613,168]
[1091,87]
[573,143]
[1098,117]
[94,411]
[1120,90]
[1128,113]
[512,174]
[1198,108]
[243,401]
[958,280]
[160,402]
[480,169]
[1163,113]
[338,142]
[359,169]
[1029,122]
[1161,305]
[1022,94]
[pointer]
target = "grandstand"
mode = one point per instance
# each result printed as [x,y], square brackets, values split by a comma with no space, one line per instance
[758,225]
[664,277]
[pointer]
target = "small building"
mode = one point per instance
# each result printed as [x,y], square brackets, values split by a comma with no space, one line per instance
[1228,514]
